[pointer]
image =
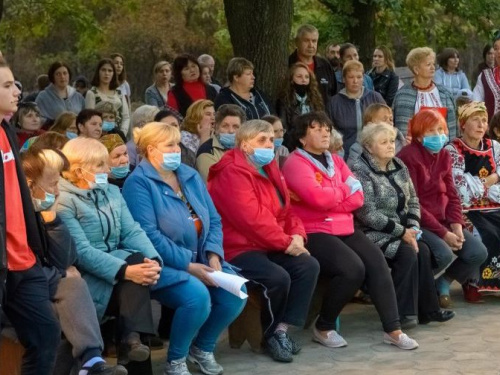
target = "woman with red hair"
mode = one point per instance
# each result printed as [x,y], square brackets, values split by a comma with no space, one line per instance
[456,251]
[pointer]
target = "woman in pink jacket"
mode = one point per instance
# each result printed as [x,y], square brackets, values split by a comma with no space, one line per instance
[324,194]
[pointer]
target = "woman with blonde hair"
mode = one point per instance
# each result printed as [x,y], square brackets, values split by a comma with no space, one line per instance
[198,124]
[157,93]
[172,204]
[423,92]
[114,255]
[390,218]
[346,108]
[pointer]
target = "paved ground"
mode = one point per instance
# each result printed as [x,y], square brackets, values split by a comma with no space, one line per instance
[469,344]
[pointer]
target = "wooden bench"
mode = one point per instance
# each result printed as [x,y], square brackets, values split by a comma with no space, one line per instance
[11,353]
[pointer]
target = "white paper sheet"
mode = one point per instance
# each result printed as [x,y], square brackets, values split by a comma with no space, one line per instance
[229,282]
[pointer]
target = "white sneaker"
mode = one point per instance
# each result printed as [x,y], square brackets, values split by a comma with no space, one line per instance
[404,342]
[333,340]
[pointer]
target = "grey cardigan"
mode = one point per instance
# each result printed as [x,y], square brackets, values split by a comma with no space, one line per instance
[391,204]
[404,108]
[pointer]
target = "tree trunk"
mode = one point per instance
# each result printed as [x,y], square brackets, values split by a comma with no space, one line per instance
[260,31]
[362,31]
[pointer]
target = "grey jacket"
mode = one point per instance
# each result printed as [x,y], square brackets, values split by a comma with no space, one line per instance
[391,204]
[52,105]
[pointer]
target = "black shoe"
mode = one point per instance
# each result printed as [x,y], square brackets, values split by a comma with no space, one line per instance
[436,316]
[408,323]
[295,347]
[279,347]
[102,368]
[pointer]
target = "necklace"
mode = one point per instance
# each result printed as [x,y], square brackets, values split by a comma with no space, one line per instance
[421,88]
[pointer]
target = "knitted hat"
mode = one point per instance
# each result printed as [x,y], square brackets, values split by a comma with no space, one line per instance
[111,141]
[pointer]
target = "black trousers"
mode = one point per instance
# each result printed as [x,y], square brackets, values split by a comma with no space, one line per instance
[347,261]
[488,226]
[288,283]
[413,280]
[29,309]
[131,304]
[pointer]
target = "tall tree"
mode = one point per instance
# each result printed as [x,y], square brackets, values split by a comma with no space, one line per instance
[260,31]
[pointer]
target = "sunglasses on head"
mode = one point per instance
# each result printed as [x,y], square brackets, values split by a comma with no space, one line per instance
[27,105]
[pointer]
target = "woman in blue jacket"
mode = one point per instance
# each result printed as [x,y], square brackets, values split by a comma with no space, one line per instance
[171,202]
[114,255]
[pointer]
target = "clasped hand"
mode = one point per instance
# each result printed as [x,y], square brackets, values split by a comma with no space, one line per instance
[296,247]
[146,273]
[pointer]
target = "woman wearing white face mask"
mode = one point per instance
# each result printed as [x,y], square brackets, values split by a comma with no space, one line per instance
[114,255]
[171,202]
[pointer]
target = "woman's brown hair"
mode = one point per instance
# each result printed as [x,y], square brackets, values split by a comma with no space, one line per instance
[314,99]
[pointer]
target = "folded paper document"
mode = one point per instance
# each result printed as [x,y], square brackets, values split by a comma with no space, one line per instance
[229,282]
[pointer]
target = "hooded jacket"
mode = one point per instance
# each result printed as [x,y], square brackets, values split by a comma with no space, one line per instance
[105,234]
[52,105]
[168,223]
[253,216]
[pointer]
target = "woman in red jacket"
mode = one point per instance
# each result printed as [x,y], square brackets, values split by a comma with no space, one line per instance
[440,207]
[325,193]
[261,235]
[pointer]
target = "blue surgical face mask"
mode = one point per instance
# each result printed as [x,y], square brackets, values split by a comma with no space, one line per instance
[100,181]
[120,172]
[434,143]
[171,161]
[71,135]
[107,126]
[262,156]
[227,140]
[278,142]
[44,204]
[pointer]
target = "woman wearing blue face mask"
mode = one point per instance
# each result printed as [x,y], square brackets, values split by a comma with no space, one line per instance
[280,151]
[67,289]
[114,255]
[171,202]
[262,236]
[109,125]
[119,166]
[442,223]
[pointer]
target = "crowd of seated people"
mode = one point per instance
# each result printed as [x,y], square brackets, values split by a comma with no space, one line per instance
[104,209]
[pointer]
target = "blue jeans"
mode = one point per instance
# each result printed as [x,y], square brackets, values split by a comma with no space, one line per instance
[470,257]
[200,311]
